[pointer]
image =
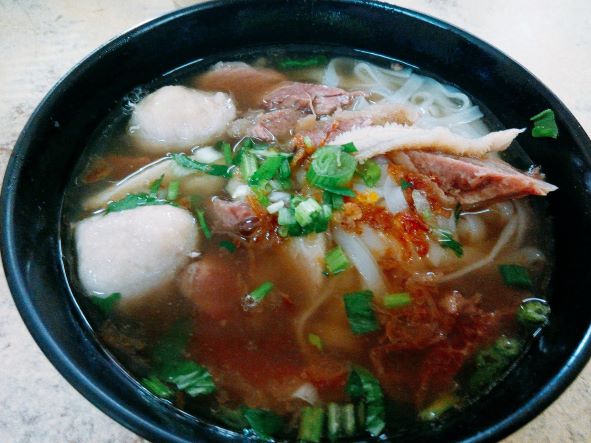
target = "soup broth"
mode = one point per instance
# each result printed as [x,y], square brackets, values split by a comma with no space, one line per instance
[289,245]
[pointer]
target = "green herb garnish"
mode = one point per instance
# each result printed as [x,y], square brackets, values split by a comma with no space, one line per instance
[544,124]
[206,168]
[266,171]
[369,172]
[155,186]
[261,292]
[231,247]
[533,313]
[311,424]
[515,275]
[398,300]
[404,185]
[360,314]
[173,190]
[315,341]
[492,362]
[446,240]
[132,201]
[265,424]
[336,260]
[106,304]
[203,223]
[157,387]
[301,63]
[189,377]
[331,168]
[362,384]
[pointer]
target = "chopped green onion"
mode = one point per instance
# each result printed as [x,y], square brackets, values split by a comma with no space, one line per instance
[248,143]
[284,169]
[266,171]
[336,260]
[171,346]
[397,300]
[346,192]
[286,217]
[231,247]
[544,124]
[311,424]
[370,172]
[331,168]
[492,362]
[189,377]
[340,421]
[226,150]
[315,341]
[446,240]
[301,63]
[189,163]
[155,186]
[233,418]
[106,304]
[261,292]
[265,424]
[248,165]
[173,190]
[305,210]
[157,387]
[335,201]
[349,148]
[404,185]
[132,201]
[360,314]
[436,409]
[362,383]
[515,275]
[457,212]
[533,312]
[203,223]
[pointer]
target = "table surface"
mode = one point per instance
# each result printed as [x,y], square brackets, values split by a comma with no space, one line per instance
[42,40]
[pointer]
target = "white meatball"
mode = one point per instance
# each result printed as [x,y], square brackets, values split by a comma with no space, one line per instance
[135,251]
[175,118]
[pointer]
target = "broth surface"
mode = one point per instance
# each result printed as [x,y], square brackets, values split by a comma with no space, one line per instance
[442,325]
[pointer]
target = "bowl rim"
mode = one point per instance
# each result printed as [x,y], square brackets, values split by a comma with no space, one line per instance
[144,427]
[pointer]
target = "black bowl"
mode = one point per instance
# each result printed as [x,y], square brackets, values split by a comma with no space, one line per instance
[58,130]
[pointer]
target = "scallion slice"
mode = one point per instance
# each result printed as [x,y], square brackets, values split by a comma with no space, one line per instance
[155,186]
[349,148]
[533,312]
[311,424]
[231,247]
[157,387]
[266,171]
[446,240]
[106,304]
[305,210]
[331,168]
[544,124]
[203,223]
[284,170]
[226,150]
[404,185]
[248,165]
[301,63]
[189,163]
[436,409]
[173,190]
[369,172]
[262,291]
[398,300]
[315,341]
[360,314]
[336,261]
[515,275]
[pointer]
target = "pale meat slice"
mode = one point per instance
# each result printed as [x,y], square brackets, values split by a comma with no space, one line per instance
[248,85]
[474,182]
[317,99]
[266,126]
[324,130]
[377,140]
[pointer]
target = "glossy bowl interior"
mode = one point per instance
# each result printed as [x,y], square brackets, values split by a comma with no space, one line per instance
[56,134]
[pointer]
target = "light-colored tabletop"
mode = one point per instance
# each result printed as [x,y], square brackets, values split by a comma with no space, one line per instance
[41,40]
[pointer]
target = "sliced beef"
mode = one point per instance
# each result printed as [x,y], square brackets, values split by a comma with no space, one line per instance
[474,182]
[318,99]
[234,217]
[266,126]
[248,85]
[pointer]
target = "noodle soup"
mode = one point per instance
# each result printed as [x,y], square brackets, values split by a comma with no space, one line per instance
[309,246]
